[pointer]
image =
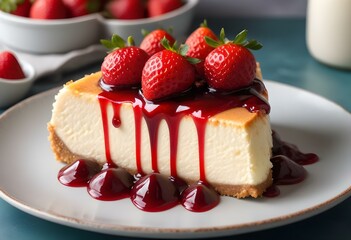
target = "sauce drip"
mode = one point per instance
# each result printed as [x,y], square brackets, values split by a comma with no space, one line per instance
[154,193]
[288,163]
[78,173]
[291,151]
[110,184]
[199,197]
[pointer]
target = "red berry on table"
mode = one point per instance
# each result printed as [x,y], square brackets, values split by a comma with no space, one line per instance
[16,7]
[231,65]
[167,73]
[159,7]
[125,9]
[198,48]
[78,8]
[123,66]
[9,66]
[48,9]
[152,41]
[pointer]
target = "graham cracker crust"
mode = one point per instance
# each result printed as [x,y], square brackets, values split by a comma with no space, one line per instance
[63,154]
[60,150]
[243,191]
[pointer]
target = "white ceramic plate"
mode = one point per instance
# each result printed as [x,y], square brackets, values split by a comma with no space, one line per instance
[28,175]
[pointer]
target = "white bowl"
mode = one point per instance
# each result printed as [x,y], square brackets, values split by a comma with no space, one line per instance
[64,35]
[179,20]
[11,91]
[48,36]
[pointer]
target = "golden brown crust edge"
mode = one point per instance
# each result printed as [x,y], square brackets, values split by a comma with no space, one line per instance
[63,154]
[242,191]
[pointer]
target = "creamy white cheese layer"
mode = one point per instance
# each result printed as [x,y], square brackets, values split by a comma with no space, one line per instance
[235,153]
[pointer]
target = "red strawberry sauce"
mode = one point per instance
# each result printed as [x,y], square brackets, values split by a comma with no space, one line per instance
[155,192]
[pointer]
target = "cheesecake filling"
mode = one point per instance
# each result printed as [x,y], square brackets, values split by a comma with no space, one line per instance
[215,139]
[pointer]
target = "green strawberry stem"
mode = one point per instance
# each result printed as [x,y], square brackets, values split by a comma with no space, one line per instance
[130,41]
[10,5]
[117,42]
[182,50]
[240,39]
[145,32]
[166,45]
[204,24]
[93,6]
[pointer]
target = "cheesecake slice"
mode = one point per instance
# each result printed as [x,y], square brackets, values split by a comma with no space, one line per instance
[225,145]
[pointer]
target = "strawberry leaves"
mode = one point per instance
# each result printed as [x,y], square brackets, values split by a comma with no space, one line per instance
[117,42]
[181,50]
[240,39]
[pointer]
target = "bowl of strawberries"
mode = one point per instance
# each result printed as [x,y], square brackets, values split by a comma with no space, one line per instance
[60,26]
[45,37]
[167,14]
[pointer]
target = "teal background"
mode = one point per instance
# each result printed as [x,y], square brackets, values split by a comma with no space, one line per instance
[285,59]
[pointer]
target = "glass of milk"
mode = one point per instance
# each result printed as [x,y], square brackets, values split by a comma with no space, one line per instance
[328,31]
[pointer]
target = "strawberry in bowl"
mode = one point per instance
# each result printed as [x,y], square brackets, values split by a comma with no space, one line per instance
[9,67]
[16,78]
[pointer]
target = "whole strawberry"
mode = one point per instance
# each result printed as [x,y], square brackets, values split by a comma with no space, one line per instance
[9,66]
[123,66]
[152,41]
[48,9]
[167,73]
[198,48]
[231,65]
[16,7]
[125,9]
[78,8]
[159,7]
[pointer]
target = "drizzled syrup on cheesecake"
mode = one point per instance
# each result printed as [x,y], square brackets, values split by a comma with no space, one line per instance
[155,192]
[200,103]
